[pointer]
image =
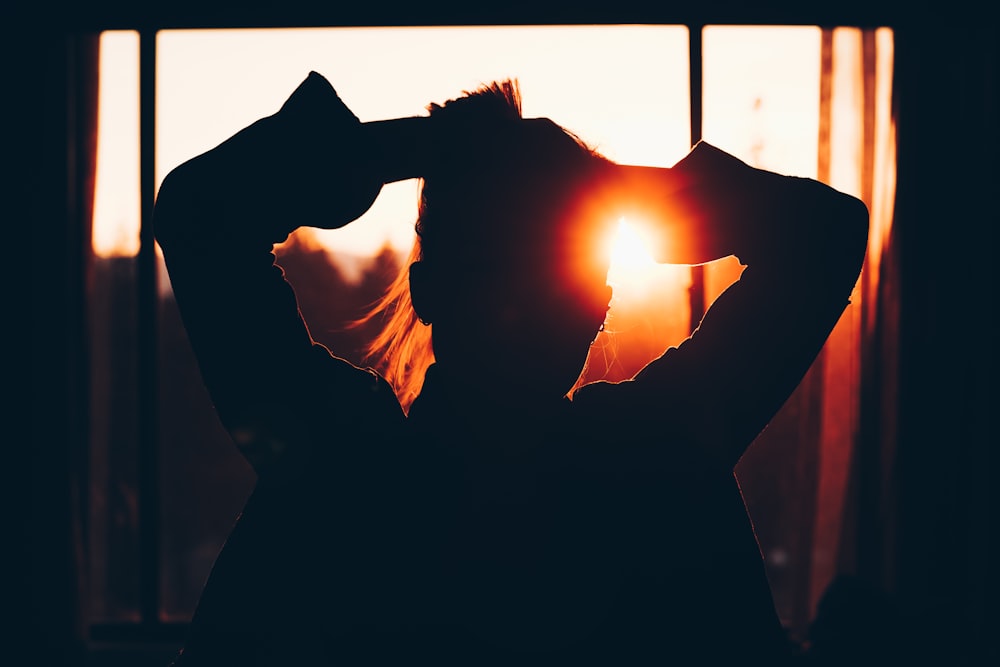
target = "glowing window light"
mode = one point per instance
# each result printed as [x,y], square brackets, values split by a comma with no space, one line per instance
[116,190]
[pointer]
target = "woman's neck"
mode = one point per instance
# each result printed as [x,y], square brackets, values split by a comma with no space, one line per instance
[468,396]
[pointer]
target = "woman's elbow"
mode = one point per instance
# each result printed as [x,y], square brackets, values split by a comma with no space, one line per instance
[175,205]
[851,225]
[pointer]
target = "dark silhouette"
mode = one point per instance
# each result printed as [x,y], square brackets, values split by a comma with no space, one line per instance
[488,510]
[856,624]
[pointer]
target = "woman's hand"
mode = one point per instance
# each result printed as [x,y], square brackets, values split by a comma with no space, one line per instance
[309,164]
[711,205]
[684,212]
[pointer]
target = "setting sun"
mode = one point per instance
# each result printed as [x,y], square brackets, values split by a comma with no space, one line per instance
[629,253]
[632,263]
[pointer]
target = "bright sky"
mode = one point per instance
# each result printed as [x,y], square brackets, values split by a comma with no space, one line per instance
[623,89]
[116,191]
[211,84]
[761,95]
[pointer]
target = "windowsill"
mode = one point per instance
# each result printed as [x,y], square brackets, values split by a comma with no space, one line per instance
[131,654]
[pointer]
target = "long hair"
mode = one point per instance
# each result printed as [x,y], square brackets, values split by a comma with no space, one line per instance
[483,165]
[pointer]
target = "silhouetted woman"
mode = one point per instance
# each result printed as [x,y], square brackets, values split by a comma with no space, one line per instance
[488,511]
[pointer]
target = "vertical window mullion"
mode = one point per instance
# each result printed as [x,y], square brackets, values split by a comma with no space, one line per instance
[149,507]
[696,293]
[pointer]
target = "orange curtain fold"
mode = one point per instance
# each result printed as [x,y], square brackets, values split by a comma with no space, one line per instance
[857,156]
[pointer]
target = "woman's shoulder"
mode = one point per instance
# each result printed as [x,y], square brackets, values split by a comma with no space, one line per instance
[357,392]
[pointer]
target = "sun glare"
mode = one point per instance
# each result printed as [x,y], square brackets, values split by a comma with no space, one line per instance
[630,255]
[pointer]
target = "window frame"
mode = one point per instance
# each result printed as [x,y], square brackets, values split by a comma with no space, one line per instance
[149,628]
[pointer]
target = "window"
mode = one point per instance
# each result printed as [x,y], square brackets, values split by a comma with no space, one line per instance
[165,484]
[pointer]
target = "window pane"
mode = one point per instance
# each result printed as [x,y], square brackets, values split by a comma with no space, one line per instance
[761,95]
[113,472]
[761,103]
[116,191]
[623,89]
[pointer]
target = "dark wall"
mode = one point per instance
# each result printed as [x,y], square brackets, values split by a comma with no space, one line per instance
[194,13]
[944,557]
[51,146]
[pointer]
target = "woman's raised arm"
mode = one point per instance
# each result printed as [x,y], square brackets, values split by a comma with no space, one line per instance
[803,244]
[217,218]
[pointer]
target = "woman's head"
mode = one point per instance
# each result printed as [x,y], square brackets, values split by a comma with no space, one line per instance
[509,268]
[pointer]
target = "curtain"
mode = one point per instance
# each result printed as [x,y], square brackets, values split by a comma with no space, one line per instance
[803,477]
[62,99]
[857,156]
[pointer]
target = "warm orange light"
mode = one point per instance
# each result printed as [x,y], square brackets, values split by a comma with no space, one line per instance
[649,310]
[631,259]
